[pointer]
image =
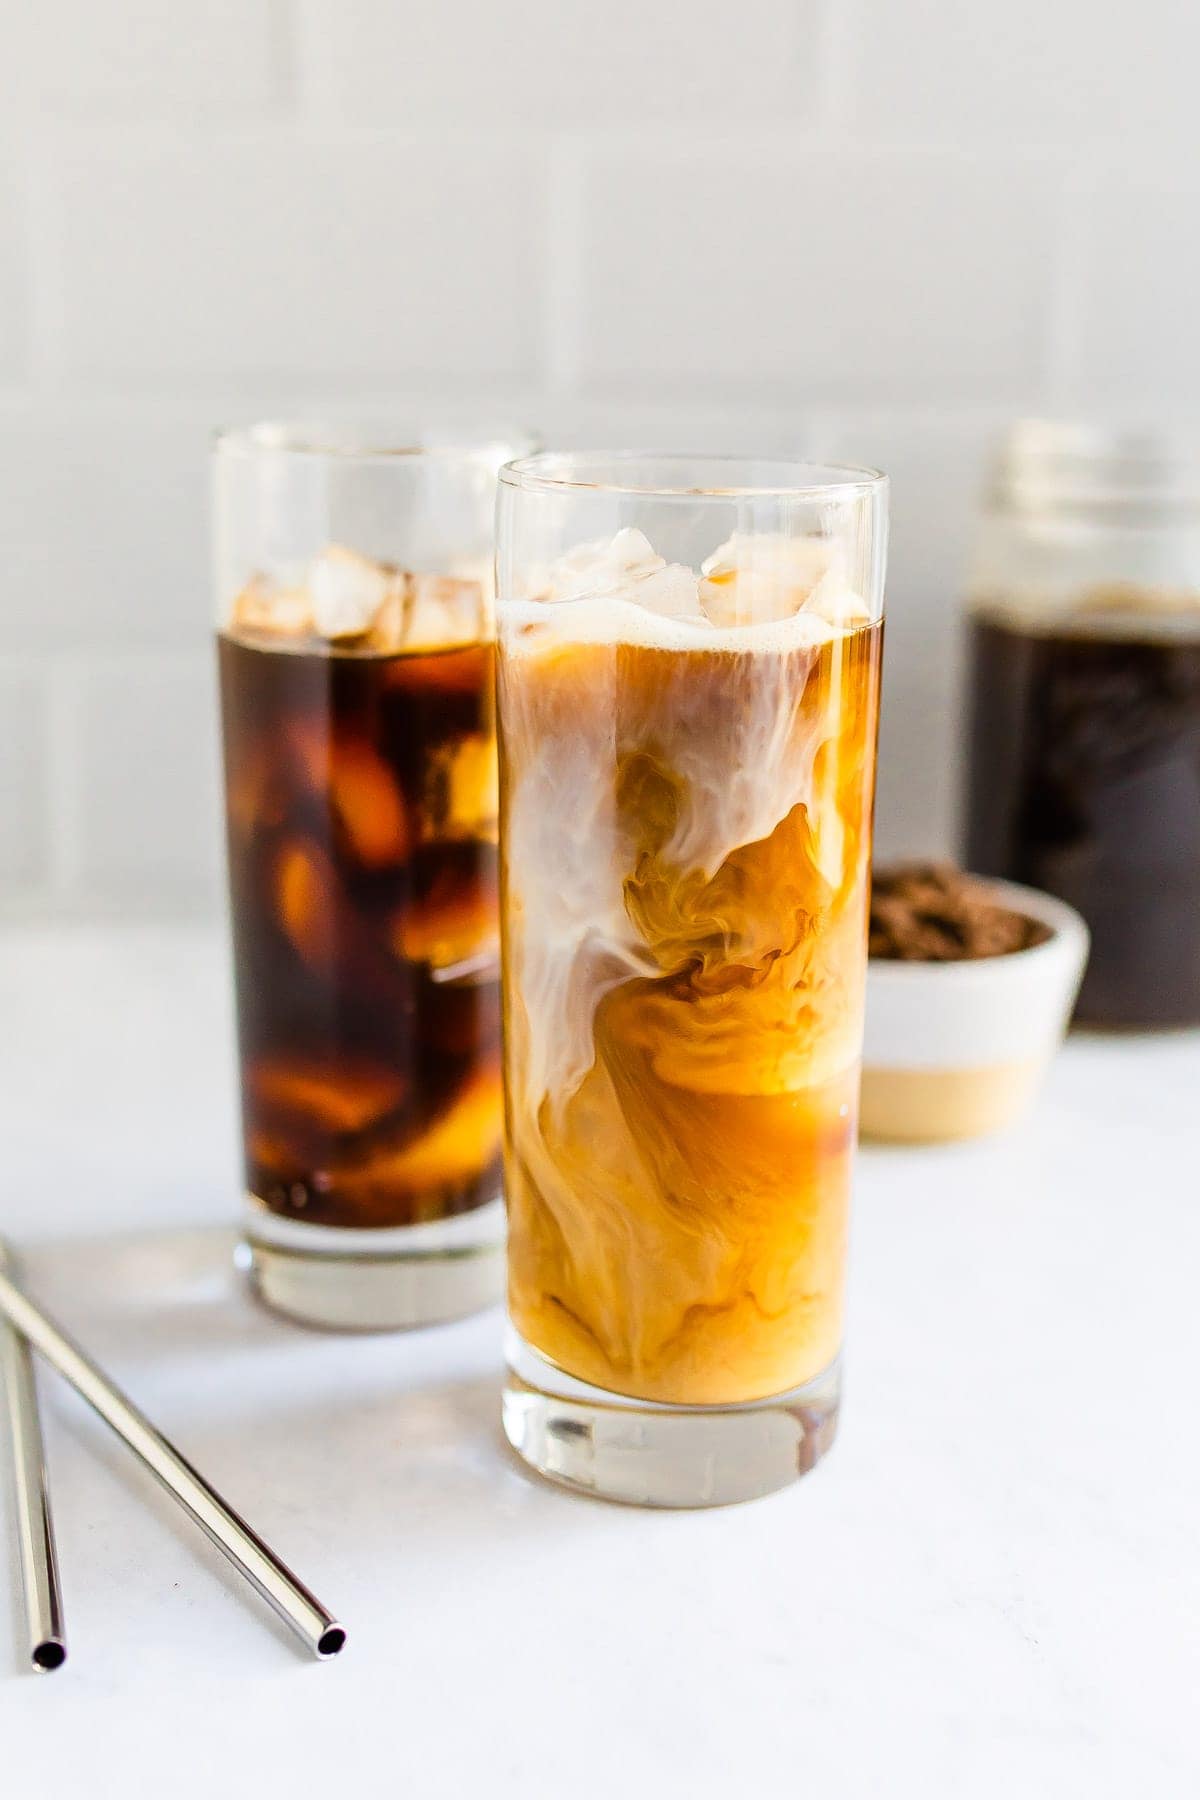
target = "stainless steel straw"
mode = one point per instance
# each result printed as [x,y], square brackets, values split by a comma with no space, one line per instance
[35,1527]
[245,1549]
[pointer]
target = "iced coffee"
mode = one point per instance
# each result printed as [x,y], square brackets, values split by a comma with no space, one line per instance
[1083,695]
[1084,779]
[362,855]
[357,702]
[687,764]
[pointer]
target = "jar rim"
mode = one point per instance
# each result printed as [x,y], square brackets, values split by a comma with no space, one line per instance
[1077,466]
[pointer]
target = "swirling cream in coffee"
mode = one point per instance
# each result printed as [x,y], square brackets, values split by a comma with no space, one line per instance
[686,770]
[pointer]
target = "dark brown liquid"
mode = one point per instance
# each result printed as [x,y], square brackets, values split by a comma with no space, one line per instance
[361,825]
[1085,781]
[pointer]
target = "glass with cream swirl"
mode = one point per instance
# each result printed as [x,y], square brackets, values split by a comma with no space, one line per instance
[687,773]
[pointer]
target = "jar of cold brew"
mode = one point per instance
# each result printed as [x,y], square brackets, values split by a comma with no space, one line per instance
[1084,703]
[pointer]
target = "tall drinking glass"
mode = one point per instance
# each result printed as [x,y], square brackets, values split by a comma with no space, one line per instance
[689,654]
[355,640]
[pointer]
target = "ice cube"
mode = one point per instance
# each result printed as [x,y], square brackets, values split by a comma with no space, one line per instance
[262,607]
[461,789]
[443,611]
[333,1096]
[479,569]
[756,578]
[386,635]
[672,591]
[368,803]
[603,567]
[632,551]
[452,914]
[838,604]
[309,903]
[348,591]
[751,597]
[800,561]
[460,1143]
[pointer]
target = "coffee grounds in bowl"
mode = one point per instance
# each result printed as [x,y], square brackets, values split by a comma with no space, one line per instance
[932,912]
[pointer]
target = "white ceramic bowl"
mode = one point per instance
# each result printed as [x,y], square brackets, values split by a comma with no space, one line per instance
[956,1049]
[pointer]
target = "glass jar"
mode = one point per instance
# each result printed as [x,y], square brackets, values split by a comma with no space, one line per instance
[1084,703]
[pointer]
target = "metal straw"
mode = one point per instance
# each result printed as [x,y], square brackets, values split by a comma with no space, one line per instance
[245,1549]
[35,1526]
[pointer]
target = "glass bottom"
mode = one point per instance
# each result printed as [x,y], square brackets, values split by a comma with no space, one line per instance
[647,1454]
[376,1280]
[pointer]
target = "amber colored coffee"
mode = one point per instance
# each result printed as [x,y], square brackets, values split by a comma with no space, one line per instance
[687,849]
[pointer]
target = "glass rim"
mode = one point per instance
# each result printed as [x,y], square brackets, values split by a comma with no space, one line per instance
[355,441]
[563,472]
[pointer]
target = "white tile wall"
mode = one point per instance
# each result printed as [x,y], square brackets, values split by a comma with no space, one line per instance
[797,271]
[144,56]
[1133,288]
[1063,72]
[13,300]
[25,811]
[870,228]
[551,60]
[139,783]
[361,254]
[102,531]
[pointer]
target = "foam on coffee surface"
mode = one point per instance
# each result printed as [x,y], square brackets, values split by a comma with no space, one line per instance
[1120,611]
[764,593]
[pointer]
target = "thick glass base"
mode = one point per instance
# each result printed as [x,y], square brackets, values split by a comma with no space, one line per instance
[376,1280]
[647,1454]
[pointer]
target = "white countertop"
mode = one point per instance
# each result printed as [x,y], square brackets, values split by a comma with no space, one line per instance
[990,1588]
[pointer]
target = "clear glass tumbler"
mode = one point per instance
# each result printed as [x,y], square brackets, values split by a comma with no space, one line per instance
[355,642]
[688,680]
